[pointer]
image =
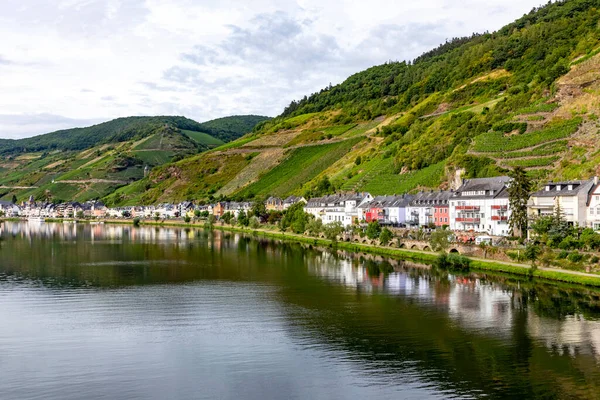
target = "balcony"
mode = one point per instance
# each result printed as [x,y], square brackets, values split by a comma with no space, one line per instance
[468,208]
[503,208]
[499,218]
[468,220]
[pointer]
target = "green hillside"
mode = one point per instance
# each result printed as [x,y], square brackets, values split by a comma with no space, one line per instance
[230,128]
[90,163]
[526,95]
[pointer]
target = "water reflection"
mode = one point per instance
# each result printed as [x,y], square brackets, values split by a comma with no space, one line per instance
[382,324]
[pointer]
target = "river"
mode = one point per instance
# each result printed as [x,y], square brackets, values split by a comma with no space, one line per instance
[119,312]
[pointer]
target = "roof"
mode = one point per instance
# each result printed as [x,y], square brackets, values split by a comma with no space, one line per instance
[431,198]
[578,187]
[492,187]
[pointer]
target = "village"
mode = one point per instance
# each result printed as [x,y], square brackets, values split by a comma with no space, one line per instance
[478,206]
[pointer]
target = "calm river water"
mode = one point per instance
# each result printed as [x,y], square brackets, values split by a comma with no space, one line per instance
[117,312]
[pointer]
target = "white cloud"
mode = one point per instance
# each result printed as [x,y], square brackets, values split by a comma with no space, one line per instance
[89,60]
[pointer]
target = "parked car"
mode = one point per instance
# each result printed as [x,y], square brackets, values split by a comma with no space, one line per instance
[483,239]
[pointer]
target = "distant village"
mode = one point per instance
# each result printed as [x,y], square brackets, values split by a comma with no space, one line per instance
[477,205]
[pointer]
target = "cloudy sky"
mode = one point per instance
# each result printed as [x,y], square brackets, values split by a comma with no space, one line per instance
[66,63]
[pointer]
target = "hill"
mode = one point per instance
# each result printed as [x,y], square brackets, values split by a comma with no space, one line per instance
[90,163]
[526,95]
[233,127]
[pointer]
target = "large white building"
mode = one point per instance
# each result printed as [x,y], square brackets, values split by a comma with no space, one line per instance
[593,208]
[571,196]
[342,208]
[481,205]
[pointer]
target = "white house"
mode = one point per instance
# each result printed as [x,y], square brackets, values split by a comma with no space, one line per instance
[593,207]
[342,208]
[9,209]
[571,196]
[481,205]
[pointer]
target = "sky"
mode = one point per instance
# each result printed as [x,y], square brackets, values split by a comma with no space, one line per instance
[68,63]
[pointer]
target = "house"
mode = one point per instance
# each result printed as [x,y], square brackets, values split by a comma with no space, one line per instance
[274,204]
[395,209]
[343,208]
[374,210]
[9,209]
[481,205]
[572,197]
[429,208]
[219,209]
[291,200]
[593,207]
[186,208]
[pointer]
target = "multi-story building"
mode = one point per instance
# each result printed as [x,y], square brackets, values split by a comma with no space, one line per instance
[274,204]
[342,208]
[593,207]
[291,200]
[426,207]
[570,197]
[481,205]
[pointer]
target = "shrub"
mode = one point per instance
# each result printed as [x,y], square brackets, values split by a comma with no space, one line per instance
[594,260]
[373,230]
[136,221]
[563,254]
[187,219]
[575,257]
[453,262]
[386,236]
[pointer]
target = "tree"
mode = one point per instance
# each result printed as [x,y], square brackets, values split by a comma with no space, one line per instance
[358,160]
[440,240]
[79,214]
[227,217]
[259,209]
[332,230]
[136,221]
[243,219]
[210,222]
[519,190]
[187,219]
[532,253]
[156,216]
[386,236]
[14,199]
[254,222]
[295,218]
[373,230]
[315,227]
[197,213]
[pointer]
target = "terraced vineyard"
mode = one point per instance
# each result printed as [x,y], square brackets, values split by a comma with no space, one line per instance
[300,166]
[495,142]
[537,151]
[377,177]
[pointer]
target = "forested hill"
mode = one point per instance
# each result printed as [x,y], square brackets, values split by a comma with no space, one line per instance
[233,127]
[129,128]
[535,50]
[524,96]
[89,163]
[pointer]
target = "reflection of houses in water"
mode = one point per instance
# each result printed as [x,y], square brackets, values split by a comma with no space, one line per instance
[571,335]
[480,306]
